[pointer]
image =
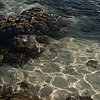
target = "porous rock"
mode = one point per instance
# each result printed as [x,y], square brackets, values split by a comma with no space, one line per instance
[26,35]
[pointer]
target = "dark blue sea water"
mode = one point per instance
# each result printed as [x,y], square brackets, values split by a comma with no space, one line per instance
[61,70]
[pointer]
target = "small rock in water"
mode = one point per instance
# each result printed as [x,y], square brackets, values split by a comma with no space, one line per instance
[25,85]
[79,98]
[63,32]
[92,63]
[69,10]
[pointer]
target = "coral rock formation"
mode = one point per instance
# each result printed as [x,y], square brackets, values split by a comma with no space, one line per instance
[25,35]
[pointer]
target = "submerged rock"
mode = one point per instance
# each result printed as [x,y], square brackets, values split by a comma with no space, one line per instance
[92,63]
[16,96]
[34,21]
[21,96]
[26,35]
[79,98]
[23,48]
[69,10]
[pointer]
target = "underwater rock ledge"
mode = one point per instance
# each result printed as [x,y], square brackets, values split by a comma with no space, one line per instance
[27,34]
[7,94]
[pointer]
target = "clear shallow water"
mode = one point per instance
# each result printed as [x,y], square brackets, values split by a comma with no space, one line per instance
[61,70]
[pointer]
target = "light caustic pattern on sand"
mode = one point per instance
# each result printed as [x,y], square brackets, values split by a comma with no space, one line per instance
[60,71]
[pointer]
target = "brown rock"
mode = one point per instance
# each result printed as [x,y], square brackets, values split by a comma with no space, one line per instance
[15,32]
[21,96]
[16,96]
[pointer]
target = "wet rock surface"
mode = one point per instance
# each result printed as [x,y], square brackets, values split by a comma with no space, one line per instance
[16,96]
[92,63]
[21,96]
[79,98]
[26,35]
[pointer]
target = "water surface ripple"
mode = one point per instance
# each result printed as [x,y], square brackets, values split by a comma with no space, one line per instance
[69,66]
